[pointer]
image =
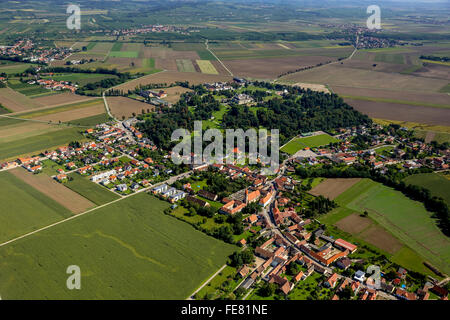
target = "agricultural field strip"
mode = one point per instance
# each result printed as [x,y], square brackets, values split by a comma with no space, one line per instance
[85,212]
[46,122]
[413,103]
[220,61]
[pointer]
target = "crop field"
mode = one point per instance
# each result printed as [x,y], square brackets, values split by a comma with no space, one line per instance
[407,220]
[359,78]
[13,68]
[332,188]
[390,58]
[80,78]
[402,97]
[58,109]
[62,99]
[91,121]
[124,54]
[271,68]
[10,132]
[438,185]
[308,142]
[28,90]
[70,115]
[147,255]
[125,107]
[170,77]
[16,101]
[90,190]
[100,47]
[54,190]
[277,52]
[392,218]
[185,65]
[206,67]
[402,112]
[39,142]
[24,208]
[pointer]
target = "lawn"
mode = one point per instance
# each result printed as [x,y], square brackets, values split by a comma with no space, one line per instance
[438,185]
[24,208]
[127,250]
[90,190]
[308,142]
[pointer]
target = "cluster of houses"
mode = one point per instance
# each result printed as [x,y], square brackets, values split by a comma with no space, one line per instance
[55,85]
[172,194]
[28,51]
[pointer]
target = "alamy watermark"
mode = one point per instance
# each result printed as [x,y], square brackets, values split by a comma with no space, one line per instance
[235,153]
[374,21]
[74,280]
[74,20]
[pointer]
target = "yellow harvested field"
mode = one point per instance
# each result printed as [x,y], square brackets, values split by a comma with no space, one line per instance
[206,67]
[54,190]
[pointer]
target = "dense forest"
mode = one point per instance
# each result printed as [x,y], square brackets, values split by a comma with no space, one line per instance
[298,111]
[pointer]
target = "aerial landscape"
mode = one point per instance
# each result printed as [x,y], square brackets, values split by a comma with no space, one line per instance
[333,182]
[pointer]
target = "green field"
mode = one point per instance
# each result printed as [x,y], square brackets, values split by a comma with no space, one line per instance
[90,190]
[24,208]
[123,54]
[80,78]
[39,142]
[308,142]
[26,89]
[127,250]
[117,46]
[67,107]
[438,185]
[185,65]
[13,68]
[91,121]
[390,58]
[406,219]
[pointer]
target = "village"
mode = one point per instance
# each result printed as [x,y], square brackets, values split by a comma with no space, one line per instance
[27,50]
[274,219]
